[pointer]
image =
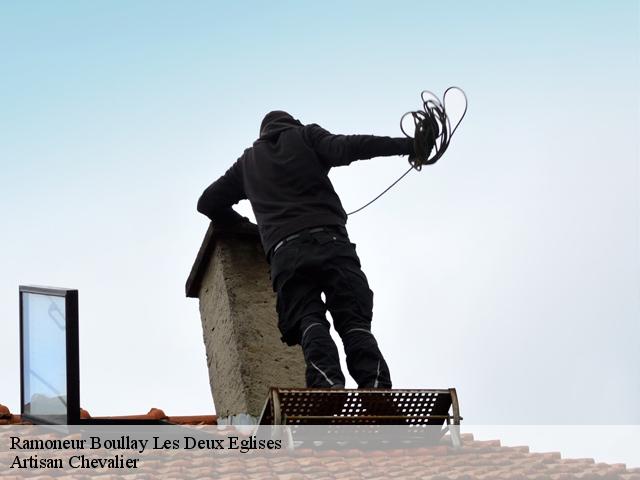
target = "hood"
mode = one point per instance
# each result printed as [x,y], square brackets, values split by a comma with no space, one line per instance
[276,122]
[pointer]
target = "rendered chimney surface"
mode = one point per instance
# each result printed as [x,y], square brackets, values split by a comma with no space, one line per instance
[245,355]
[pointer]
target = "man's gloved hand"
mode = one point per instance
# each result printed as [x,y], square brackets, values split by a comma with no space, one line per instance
[230,221]
[424,140]
[246,226]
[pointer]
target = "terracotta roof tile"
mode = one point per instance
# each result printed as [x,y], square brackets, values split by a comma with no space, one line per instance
[6,418]
[475,460]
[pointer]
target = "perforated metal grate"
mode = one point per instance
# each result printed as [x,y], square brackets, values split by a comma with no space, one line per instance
[349,407]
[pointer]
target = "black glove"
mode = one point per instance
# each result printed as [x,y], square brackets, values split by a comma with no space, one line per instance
[424,139]
[228,220]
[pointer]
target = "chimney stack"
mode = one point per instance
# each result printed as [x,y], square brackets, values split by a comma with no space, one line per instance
[245,355]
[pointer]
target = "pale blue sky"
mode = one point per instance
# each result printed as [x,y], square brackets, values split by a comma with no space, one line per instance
[510,270]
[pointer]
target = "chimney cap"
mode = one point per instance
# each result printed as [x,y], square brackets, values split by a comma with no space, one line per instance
[244,229]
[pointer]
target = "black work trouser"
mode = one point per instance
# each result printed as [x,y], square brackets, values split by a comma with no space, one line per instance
[326,262]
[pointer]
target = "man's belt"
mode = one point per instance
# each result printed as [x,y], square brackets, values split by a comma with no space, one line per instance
[297,235]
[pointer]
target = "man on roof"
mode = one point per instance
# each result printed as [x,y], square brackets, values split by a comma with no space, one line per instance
[284,175]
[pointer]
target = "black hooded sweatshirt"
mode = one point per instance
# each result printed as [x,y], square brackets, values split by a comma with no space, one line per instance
[285,177]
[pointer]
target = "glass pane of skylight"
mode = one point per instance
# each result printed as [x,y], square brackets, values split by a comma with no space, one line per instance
[44,356]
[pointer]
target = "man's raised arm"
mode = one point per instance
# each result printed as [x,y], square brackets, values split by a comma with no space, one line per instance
[337,150]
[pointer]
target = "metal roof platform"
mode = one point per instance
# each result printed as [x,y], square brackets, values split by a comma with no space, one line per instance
[429,412]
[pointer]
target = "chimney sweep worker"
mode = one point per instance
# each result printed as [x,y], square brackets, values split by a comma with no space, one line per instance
[302,227]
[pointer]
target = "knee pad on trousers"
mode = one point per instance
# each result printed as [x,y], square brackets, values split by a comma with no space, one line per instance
[313,330]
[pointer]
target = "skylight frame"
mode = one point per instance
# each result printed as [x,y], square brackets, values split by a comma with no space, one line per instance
[71,350]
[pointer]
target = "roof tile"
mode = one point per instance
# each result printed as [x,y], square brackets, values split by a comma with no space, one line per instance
[6,418]
[476,460]
[4,412]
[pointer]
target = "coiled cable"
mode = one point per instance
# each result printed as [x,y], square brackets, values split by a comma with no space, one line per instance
[432,134]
